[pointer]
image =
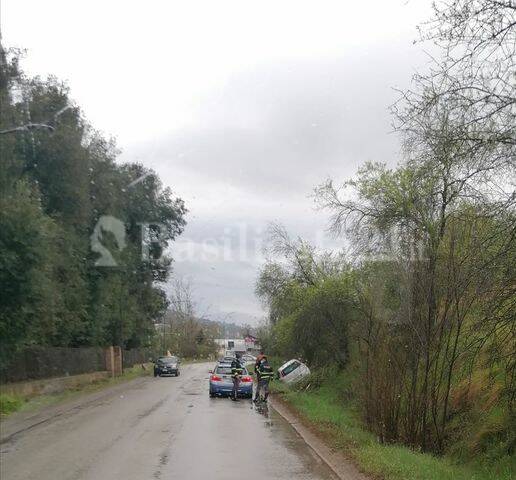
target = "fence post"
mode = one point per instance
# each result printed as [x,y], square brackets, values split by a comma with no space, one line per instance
[114,361]
[110,361]
[118,359]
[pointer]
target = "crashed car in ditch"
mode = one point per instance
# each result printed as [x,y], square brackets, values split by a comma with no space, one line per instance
[293,371]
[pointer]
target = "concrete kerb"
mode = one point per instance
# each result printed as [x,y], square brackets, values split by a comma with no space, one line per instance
[336,461]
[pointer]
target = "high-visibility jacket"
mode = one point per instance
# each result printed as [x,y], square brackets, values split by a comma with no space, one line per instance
[266,372]
[257,364]
[236,369]
[259,358]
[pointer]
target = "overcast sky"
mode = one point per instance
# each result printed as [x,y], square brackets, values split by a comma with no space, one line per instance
[241,107]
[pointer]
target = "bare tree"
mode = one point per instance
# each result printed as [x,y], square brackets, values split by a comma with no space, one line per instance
[474,76]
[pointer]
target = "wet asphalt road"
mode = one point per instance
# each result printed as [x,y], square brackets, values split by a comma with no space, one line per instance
[152,429]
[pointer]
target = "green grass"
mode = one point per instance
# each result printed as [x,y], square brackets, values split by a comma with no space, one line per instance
[10,403]
[340,422]
[13,403]
[398,462]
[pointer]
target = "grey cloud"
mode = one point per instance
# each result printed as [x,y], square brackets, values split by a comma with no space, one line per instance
[284,128]
[260,145]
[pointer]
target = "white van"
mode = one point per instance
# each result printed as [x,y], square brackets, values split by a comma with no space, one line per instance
[293,371]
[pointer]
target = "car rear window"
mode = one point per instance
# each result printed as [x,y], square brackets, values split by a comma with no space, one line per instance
[226,370]
[290,368]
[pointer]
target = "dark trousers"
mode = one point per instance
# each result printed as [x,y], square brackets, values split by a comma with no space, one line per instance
[262,387]
[236,384]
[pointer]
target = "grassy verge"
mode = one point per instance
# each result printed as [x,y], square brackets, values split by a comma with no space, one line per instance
[10,403]
[339,422]
[13,403]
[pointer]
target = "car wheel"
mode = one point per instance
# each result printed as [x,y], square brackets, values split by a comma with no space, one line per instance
[212,395]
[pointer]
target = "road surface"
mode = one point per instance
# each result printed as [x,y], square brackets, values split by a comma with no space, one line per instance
[155,429]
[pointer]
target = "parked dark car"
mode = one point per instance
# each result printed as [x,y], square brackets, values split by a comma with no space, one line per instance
[167,366]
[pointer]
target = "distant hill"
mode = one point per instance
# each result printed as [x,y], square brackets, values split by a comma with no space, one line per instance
[226,329]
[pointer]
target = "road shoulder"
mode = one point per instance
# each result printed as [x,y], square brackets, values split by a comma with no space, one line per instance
[336,461]
[24,420]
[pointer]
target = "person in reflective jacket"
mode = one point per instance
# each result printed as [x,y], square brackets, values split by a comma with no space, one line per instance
[236,373]
[259,358]
[264,374]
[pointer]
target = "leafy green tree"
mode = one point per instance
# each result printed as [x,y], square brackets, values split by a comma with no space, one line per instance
[59,177]
[28,299]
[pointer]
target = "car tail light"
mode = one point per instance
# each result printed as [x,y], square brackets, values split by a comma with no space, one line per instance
[247,379]
[216,378]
